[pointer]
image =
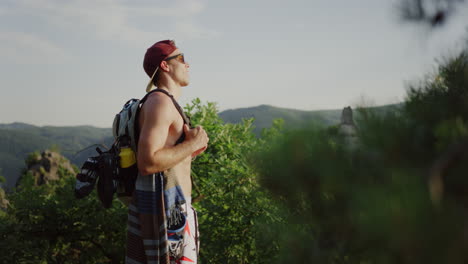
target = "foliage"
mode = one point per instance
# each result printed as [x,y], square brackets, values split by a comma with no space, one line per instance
[55,227]
[375,204]
[32,158]
[231,203]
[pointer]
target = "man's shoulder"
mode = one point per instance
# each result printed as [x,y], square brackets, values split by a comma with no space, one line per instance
[158,102]
[158,99]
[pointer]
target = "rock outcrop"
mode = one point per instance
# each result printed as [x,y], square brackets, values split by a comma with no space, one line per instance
[45,167]
[347,128]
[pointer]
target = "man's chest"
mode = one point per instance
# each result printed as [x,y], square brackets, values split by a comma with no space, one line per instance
[176,131]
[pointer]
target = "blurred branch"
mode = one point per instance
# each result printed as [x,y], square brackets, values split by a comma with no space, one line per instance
[411,10]
[432,12]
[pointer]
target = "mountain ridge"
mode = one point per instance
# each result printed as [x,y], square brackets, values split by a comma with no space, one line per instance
[18,139]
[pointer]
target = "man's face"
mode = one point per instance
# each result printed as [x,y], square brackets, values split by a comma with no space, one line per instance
[179,69]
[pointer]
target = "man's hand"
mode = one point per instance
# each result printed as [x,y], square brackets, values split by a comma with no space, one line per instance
[197,137]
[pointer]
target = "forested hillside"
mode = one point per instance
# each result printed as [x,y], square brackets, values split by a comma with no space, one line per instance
[19,139]
[264,115]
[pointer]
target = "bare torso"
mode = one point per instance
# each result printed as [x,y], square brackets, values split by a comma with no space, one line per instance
[181,170]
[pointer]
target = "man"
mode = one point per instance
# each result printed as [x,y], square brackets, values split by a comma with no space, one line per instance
[162,226]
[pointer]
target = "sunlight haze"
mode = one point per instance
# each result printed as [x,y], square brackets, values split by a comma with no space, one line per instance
[76,62]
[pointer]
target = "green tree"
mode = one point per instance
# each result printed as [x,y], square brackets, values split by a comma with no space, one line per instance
[47,224]
[228,198]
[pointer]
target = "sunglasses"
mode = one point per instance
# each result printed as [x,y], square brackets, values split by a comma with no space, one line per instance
[179,57]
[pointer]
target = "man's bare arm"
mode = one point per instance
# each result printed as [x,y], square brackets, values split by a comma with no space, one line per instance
[153,156]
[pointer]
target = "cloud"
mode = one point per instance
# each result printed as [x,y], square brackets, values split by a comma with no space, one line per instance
[27,48]
[190,30]
[35,31]
[179,9]
[115,20]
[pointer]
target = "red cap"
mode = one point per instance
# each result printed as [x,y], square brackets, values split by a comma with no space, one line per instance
[154,56]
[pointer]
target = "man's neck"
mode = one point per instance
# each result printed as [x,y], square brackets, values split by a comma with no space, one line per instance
[173,89]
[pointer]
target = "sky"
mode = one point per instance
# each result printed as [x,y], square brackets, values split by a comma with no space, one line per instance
[76,62]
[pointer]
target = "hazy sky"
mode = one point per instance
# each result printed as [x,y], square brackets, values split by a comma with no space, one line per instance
[76,62]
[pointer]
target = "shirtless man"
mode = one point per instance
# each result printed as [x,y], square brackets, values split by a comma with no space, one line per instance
[162,226]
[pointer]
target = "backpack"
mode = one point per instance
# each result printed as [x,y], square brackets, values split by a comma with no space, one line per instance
[115,169]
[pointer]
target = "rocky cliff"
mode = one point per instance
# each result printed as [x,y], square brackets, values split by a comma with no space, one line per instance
[45,166]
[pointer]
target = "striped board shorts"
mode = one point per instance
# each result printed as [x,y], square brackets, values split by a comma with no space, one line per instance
[184,243]
[150,241]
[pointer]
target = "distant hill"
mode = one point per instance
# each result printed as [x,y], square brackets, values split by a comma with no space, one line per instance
[17,140]
[265,114]
[293,119]
[16,125]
